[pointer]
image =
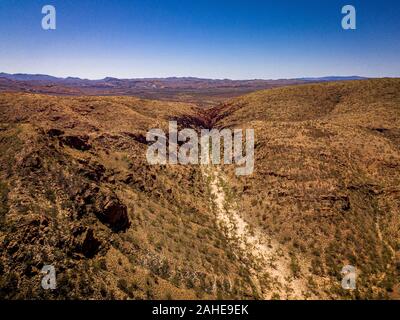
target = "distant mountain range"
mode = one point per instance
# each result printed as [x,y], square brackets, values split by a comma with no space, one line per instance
[28,77]
[334,78]
[45,77]
[200,91]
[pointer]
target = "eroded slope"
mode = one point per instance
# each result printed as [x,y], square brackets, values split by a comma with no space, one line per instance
[327,180]
[77,193]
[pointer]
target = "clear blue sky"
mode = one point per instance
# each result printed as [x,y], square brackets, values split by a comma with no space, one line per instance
[204,38]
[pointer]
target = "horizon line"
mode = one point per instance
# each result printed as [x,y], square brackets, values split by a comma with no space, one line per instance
[192,77]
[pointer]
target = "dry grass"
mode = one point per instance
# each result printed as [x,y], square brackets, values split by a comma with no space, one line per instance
[325,190]
[172,248]
[326,181]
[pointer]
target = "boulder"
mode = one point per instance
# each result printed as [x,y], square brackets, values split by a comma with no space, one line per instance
[85,242]
[55,132]
[112,212]
[77,142]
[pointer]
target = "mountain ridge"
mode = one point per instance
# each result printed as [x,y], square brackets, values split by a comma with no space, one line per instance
[204,92]
[40,77]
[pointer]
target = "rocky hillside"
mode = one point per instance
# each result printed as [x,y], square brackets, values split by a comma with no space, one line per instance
[326,184]
[77,193]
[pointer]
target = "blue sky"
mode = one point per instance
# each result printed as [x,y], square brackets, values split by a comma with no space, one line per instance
[266,39]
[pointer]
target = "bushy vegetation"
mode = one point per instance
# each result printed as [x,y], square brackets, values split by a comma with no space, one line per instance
[326,182]
[325,189]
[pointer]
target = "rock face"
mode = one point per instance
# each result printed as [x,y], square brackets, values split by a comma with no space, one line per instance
[77,142]
[92,171]
[55,132]
[137,137]
[85,241]
[104,204]
[112,212]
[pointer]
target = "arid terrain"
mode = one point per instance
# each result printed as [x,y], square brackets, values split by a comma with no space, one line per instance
[202,92]
[77,192]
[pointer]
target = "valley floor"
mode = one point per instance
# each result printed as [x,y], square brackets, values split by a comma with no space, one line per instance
[268,262]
